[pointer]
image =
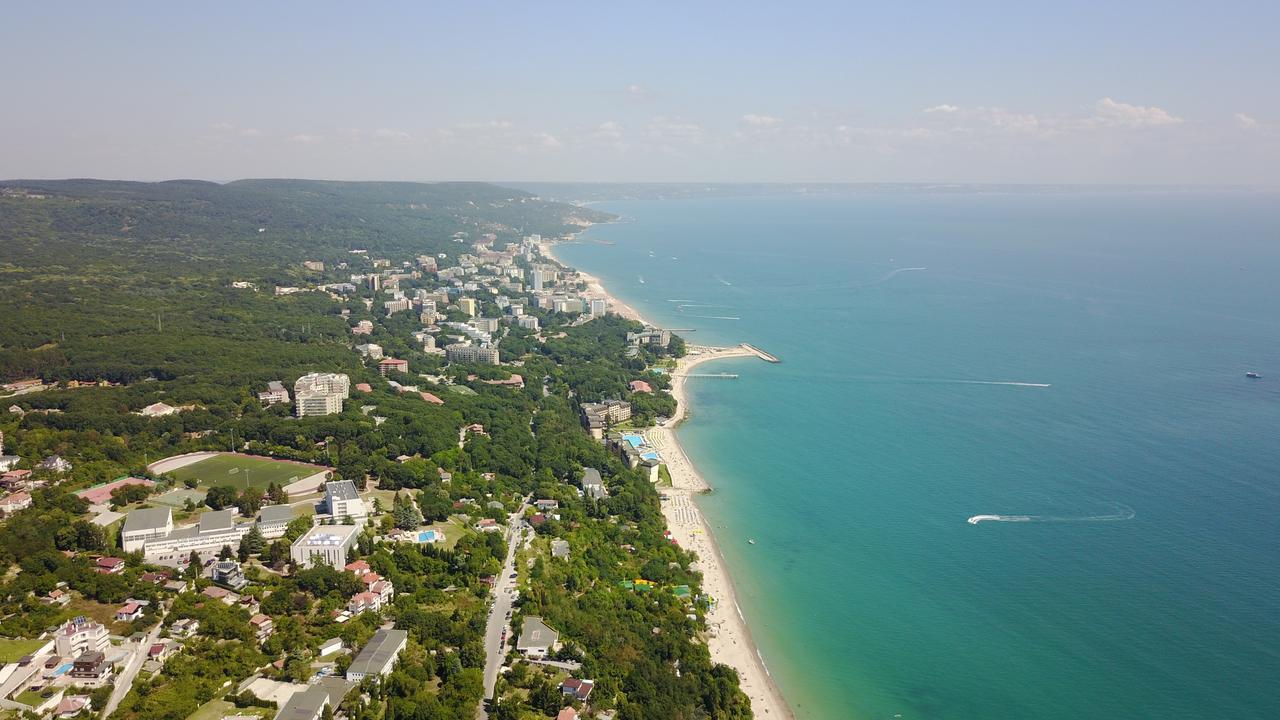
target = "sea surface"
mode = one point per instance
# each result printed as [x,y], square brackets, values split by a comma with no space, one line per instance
[1142,579]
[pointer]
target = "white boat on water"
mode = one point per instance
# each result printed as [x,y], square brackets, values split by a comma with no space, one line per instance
[640,278]
[979,518]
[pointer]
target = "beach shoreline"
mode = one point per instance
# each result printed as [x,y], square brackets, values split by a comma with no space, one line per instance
[729,637]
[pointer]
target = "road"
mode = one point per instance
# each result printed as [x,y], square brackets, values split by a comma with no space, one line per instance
[125,680]
[503,589]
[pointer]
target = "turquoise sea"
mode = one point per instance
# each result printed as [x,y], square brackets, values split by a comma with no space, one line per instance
[1145,581]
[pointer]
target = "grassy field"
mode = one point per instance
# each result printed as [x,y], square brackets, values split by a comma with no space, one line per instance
[242,471]
[13,650]
[217,709]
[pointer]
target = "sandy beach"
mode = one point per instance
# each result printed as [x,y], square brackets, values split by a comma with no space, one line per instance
[729,638]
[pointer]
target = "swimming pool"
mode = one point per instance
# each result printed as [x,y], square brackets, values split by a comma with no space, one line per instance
[428,536]
[634,440]
[63,669]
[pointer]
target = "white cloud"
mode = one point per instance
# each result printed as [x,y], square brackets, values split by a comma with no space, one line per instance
[304,138]
[547,140]
[761,121]
[223,126]
[1248,122]
[944,108]
[608,131]
[250,132]
[389,134]
[1111,113]
[639,91]
[664,128]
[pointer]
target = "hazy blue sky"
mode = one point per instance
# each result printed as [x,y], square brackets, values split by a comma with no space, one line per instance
[1116,91]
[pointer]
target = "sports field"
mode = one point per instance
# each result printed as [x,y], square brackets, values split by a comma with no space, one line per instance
[243,471]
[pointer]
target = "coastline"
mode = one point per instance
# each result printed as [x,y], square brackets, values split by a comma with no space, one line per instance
[728,637]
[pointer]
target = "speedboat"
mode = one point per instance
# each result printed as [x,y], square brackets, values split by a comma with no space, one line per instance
[1253,375]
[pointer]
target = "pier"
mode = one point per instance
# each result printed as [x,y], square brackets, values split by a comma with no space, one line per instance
[760,353]
[728,376]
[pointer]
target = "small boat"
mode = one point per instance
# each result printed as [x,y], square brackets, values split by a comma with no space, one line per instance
[1253,375]
[640,278]
[752,541]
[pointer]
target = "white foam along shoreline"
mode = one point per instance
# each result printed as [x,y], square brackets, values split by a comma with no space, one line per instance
[729,638]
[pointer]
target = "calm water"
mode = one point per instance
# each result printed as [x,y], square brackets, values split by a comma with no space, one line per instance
[855,463]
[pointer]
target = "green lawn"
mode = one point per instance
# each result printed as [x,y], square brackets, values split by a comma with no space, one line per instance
[243,471]
[13,650]
[31,698]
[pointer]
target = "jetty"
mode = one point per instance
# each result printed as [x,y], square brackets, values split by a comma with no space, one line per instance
[760,353]
[728,376]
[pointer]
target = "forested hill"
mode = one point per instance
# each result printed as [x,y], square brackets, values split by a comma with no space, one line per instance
[91,270]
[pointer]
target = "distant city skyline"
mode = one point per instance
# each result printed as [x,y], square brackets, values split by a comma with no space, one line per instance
[1141,92]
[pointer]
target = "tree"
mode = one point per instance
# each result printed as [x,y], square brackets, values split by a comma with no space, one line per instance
[225,554]
[220,496]
[297,527]
[251,501]
[252,543]
[405,513]
[193,565]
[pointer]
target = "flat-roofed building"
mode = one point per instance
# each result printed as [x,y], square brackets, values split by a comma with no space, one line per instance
[320,393]
[214,529]
[145,524]
[343,501]
[275,394]
[324,544]
[378,656]
[273,520]
[477,354]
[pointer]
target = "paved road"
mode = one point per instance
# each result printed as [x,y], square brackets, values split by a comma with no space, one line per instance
[125,680]
[494,648]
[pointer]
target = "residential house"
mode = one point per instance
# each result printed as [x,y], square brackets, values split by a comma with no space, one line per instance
[579,689]
[14,502]
[157,410]
[229,574]
[184,628]
[91,669]
[263,626]
[54,463]
[109,565]
[79,635]
[72,705]
[640,386]
[592,484]
[537,640]
[129,612]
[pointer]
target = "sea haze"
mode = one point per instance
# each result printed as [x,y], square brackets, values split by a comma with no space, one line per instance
[1145,584]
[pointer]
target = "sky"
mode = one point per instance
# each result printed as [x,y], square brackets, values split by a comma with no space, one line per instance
[1015,92]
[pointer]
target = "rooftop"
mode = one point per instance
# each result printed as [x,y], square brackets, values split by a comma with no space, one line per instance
[144,519]
[341,490]
[379,652]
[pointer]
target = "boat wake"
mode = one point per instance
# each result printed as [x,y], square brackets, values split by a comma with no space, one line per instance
[723,281]
[890,275]
[1123,512]
[1002,382]
[715,317]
